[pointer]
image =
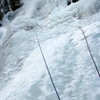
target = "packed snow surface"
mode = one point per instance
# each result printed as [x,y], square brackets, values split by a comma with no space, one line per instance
[23,75]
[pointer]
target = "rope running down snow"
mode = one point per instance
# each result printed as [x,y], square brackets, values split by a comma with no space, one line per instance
[47,67]
[96,67]
[88,47]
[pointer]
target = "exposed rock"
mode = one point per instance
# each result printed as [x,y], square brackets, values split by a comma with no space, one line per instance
[74,1]
[15,4]
[71,1]
[1,15]
[7,5]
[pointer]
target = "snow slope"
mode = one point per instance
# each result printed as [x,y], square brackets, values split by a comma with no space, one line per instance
[23,75]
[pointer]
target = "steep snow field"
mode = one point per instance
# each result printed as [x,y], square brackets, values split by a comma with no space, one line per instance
[23,75]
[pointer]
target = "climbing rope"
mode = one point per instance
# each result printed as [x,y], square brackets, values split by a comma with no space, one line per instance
[47,67]
[96,67]
[90,52]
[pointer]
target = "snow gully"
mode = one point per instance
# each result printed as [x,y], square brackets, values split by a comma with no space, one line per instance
[88,47]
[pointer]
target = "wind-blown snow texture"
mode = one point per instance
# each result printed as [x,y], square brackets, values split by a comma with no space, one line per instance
[23,75]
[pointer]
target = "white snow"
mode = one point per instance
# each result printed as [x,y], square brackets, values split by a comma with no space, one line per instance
[23,74]
[2,34]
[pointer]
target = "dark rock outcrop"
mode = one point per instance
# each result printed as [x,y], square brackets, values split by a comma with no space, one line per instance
[70,1]
[15,4]
[74,1]
[8,5]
